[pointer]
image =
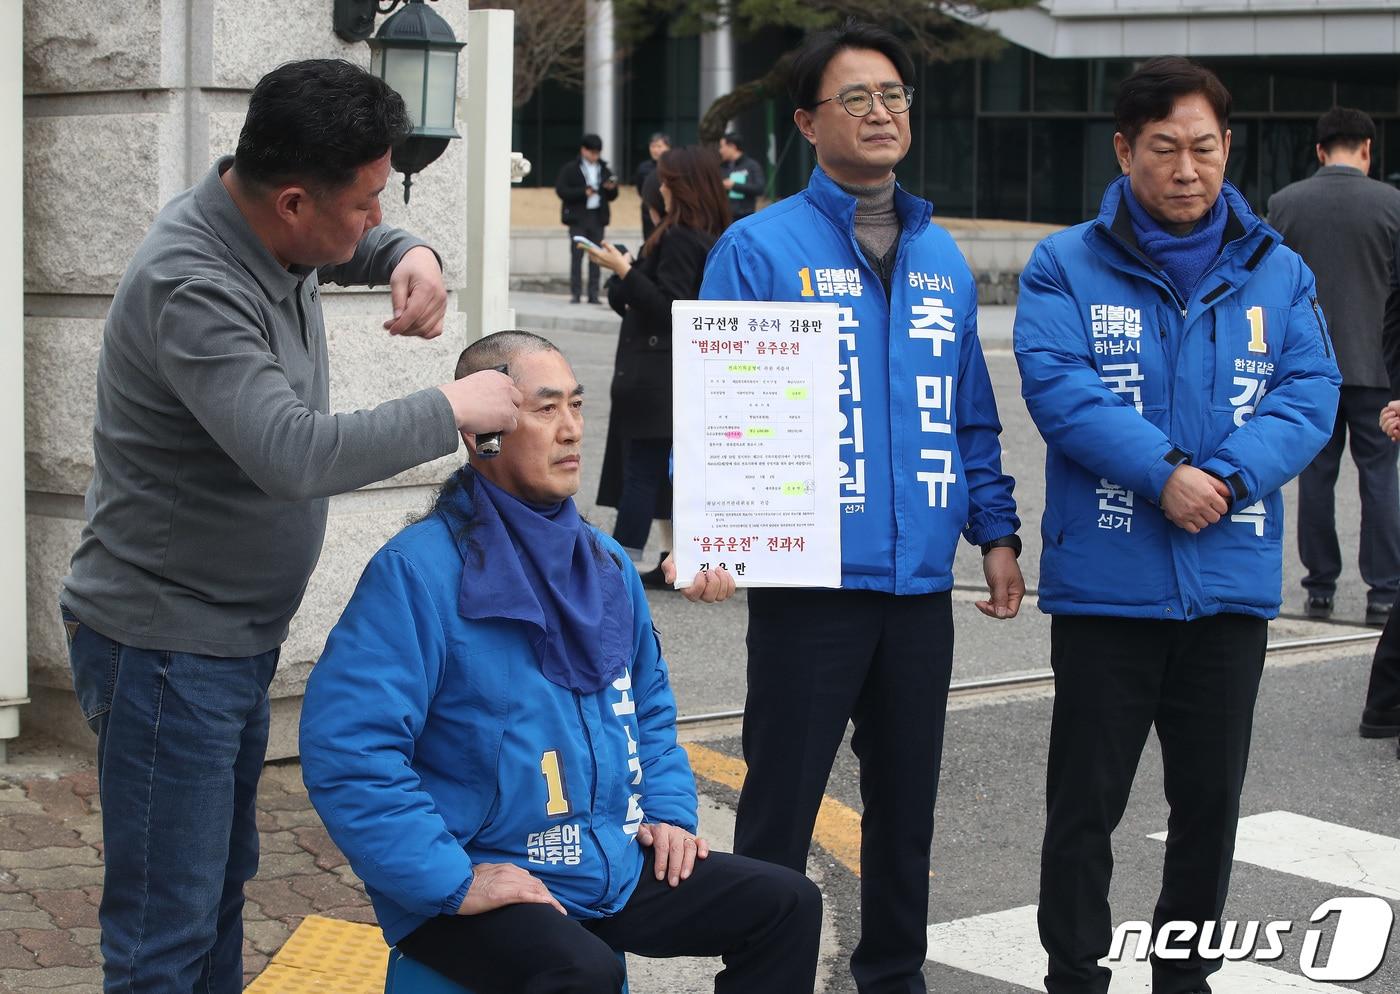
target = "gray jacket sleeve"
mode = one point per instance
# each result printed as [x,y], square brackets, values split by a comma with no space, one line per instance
[211,350]
[374,259]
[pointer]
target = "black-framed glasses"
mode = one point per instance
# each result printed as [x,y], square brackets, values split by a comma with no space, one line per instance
[859,102]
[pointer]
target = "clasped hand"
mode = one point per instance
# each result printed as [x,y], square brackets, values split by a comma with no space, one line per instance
[1193,499]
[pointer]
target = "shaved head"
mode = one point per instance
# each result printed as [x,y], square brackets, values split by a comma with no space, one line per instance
[499,349]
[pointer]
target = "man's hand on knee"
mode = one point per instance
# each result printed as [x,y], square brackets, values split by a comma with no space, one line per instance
[494,885]
[674,850]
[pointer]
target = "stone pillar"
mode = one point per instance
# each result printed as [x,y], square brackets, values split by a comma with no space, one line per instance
[14,680]
[491,71]
[716,65]
[125,105]
[600,90]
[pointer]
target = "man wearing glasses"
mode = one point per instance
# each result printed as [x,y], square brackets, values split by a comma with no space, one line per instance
[920,463]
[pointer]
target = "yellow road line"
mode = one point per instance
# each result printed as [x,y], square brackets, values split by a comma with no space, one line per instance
[837,829]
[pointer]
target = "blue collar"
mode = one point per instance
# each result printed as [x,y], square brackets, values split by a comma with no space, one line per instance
[1184,258]
[542,566]
[838,205]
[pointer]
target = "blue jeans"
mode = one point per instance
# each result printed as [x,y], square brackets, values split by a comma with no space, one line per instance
[180,746]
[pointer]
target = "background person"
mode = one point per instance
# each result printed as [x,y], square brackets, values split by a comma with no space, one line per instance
[1380,717]
[215,458]
[646,175]
[743,176]
[490,738]
[1344,224]
[921,449]
[585,187]
[636,461]
[1171,418]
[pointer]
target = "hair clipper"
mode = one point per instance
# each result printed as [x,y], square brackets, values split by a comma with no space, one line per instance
[488,445]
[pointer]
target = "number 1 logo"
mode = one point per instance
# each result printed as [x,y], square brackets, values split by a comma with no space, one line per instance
[1256,329]
[557,800]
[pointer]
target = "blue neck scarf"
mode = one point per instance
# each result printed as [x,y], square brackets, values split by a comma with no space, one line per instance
[1184,258]
[541,566]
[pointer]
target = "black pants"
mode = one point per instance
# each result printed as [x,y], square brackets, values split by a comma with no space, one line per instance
[816,659]
[764,920]
[644,473]
[1116,678]
[1375,456]
[1383,693]
[592,229]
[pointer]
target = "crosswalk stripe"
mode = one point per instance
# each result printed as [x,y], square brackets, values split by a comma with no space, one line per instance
[1005,945]
[1319,850]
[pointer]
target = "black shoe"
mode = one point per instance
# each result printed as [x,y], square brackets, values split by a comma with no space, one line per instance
[1378,613]
[574,300]
[1379,724]
[1318,606]
[594,300]
[654,579]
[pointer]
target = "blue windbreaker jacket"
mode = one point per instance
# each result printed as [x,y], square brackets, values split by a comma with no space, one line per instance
[920,455]
[1125,380]
[430,743]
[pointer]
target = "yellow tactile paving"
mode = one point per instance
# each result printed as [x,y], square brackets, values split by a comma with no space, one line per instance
[325,956]
[838,826]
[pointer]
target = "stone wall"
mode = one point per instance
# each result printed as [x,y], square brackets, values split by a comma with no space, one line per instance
[127,104]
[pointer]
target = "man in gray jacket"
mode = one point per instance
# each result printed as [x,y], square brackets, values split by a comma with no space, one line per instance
[215,459]
[1344,225]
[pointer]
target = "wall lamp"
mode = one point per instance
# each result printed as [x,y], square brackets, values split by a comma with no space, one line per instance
[415,53]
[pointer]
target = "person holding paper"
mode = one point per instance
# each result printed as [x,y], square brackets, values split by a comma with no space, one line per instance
[920,465]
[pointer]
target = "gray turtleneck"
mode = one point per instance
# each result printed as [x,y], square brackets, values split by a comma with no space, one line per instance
[877,226]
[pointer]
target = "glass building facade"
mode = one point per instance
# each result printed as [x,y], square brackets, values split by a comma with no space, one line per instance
[1020,137]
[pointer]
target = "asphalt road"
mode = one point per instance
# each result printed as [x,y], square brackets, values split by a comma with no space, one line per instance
[1307,761]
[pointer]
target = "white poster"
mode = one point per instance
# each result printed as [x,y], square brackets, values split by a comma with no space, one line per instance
[756,429]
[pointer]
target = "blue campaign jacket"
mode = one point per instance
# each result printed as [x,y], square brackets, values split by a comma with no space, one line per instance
[920,455]
[430,743]
[1125,380]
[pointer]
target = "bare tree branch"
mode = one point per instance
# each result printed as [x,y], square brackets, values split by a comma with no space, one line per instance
[928,27]
[548,43]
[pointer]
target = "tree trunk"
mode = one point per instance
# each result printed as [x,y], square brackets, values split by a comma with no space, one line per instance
[742,97]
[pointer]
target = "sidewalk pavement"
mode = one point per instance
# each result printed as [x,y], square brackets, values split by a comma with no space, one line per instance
[51,881]
[51,878]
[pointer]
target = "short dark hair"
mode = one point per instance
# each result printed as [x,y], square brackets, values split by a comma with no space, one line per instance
[1344,126]
[591,142]
[735,139]
[811,60]
[659,136]
[317,122]
[1154,88]
[499,349]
